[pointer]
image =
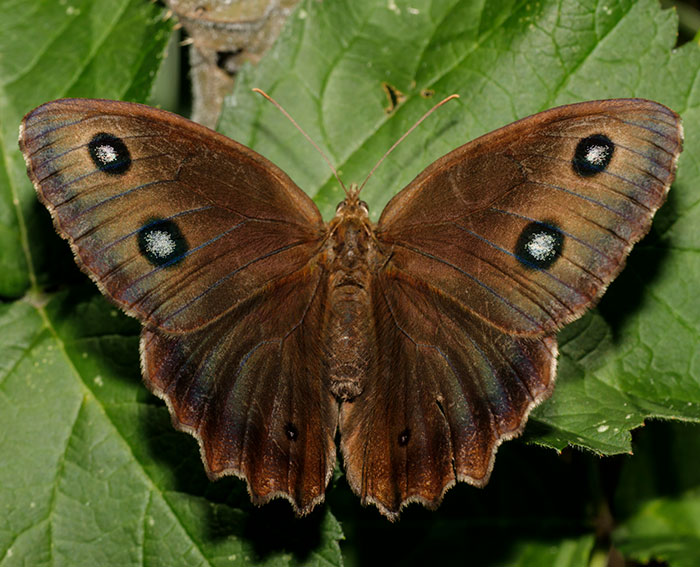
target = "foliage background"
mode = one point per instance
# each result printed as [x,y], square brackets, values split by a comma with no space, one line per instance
[91,472]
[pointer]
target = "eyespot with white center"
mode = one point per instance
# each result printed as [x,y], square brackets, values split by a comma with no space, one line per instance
[161,242]
[592,155]
[539,245]
[109,154]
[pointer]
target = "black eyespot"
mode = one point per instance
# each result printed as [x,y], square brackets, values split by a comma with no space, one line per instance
[539,245]
[404,437]
[593,154]
[161,242]
[291,431]
[109,154]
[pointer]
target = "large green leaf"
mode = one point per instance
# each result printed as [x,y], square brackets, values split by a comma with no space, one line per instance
[92,472]
[658,499]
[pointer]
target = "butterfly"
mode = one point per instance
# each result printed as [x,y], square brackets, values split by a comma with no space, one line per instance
[423,341]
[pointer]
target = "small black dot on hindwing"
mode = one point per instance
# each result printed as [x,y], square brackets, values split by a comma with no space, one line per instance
[291,432]
[404,437]
[592,155]
[161,242]
[109,153]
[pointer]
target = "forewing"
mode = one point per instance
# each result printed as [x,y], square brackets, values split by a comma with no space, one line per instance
[175,223]
[526,226]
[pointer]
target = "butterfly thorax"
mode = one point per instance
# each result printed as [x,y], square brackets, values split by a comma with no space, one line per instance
[351,255]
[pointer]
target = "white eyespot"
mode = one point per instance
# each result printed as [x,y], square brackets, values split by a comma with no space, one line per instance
[596,155]
[159,243]
[106,153]
[542,246]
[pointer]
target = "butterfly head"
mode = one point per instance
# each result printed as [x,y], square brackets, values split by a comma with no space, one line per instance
[351,219]
[352,206]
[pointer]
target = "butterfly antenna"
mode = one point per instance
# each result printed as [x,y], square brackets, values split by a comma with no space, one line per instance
[319,150]
[402,138]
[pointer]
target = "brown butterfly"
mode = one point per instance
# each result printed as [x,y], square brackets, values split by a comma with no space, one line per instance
[425,339]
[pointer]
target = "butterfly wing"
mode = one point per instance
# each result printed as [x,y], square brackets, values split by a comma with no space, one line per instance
[175,223]
[212,247]
[248,388]
[446,389]
[526,226]
[490,250]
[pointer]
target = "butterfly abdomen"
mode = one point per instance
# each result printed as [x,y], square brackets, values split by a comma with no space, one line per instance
[348,327]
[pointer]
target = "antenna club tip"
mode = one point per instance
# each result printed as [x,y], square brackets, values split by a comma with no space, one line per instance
[447,99]
[260,92]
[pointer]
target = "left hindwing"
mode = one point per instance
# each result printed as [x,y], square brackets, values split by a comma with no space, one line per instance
[526,226]
[247,387]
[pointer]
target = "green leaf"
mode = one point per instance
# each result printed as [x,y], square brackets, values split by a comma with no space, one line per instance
[92,471]
[658,498]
